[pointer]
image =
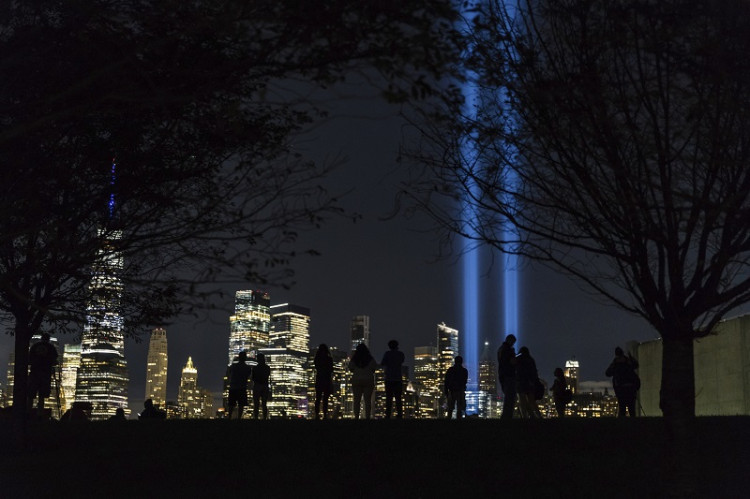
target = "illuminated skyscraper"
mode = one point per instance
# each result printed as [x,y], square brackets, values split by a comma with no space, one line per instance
[103,374]
[571,374]
[156,368]
[426,383]
[189,396]
[9,379]
[360,330]
[290,347]
[250,324]
[71,361]
[487,401]
[447,349]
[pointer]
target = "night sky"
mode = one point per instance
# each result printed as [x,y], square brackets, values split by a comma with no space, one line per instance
[387,269]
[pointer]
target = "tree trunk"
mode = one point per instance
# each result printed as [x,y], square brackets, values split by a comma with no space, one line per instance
[677,397]
[677,401]
[21,383]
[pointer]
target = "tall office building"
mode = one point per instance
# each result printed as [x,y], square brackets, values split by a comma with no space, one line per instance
[447,348]
[189,396]
[156,368]
[290,346]
[250,324]
[103,374]
[71,362]
[571,374]
[426,383]
[9,379]
[487,400]
[360,330]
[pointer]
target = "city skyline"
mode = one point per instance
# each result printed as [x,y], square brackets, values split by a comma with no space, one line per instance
[389,269]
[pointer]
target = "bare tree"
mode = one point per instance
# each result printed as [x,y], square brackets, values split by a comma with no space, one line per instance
[150,131]
[611,141]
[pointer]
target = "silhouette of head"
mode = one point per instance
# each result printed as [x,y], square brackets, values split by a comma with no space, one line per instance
[618,351]
[323,348]
[242,357]
[523,351]
[393,344]
[120,412]
[558,372]
[459,361]
[261,358]
[45,336]
[362,349]
[361,355]
[148,404]
[510,339]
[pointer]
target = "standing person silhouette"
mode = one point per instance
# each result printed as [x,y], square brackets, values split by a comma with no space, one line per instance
[455,387]
[625,381]
[323,379]
[393,359]
[506,365]
[261,386]
[363,366]
[42,359]
[238,374]
[526,378]
[559,387]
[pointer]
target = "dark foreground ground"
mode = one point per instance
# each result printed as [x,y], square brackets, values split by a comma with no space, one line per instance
[574,458]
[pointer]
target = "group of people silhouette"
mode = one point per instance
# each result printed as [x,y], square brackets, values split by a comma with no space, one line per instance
[519,381]
[238,375]
[517,373]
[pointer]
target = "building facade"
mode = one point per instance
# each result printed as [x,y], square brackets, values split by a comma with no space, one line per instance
[71,362]
[722,371]
[290,348]
[190,396]
[250,325]
[103,377]
[360,331]
[156,368]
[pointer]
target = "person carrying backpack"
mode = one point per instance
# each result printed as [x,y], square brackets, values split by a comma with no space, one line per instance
[625,381]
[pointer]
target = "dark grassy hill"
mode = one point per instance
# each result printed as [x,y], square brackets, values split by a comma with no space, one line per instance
[578,458]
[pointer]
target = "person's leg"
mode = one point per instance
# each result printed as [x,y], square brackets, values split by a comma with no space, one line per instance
[256,403]
[388,398]
[357,392]
[509,398]
[264,400]
[399,400]
[369,390]
[318,394]
[461,404]
[326,395]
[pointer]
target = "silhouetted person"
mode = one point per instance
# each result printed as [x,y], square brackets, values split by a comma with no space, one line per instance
[506,365]
[261,386]
[455,387]
[42,359]
[79,411]
[392,361]
[323,379]
[237,374]
[151,412]
[118,416]
[363,366]
[559,389]
[625,381]
[527,378]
